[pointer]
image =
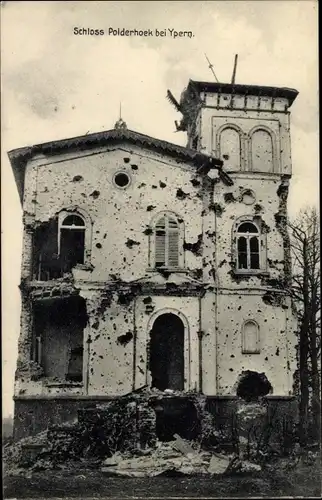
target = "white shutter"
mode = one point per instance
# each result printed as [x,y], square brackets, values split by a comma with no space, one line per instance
[173,244]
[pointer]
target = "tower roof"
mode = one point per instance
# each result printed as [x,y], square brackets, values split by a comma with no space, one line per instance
[238,89]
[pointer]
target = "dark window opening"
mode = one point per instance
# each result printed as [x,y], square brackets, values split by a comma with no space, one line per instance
[167,353]
[46,259]
[242,253]
[176,416]
[72,246]
[253,385]
[75,365]
[248,255]
[122,179]
[58,249]
[247,227]
[58,337]
[73,220]
[254,252]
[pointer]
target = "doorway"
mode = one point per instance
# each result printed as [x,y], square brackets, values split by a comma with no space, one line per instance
[167,353]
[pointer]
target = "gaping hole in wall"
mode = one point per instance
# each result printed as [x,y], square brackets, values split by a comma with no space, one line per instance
[167,353]
[58,337]
[176,416]
[253,385]
[58,249]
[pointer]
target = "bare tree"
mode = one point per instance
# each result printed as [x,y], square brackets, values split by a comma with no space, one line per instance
[305,247]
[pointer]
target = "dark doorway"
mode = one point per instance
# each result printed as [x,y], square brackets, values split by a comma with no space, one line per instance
[167,353]
[176,416]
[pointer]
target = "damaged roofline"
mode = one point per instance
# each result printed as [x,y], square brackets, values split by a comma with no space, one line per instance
[238,89]
[19,157]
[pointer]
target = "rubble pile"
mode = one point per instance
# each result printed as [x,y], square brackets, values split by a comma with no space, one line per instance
[177,457]
[23,454]
[137,435]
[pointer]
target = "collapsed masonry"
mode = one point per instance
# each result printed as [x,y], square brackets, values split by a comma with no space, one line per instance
[145,423]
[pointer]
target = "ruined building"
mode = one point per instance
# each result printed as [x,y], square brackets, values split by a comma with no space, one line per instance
[148,265]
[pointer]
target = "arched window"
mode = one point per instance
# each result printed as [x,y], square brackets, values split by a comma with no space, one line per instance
[248,246]
[71,241]
[250,338]
[166,252]
[262,151]
[230,148]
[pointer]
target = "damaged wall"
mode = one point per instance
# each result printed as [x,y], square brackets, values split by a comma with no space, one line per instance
[118,247]
[267,113]
[109,344]
[118,193]
[257,200]
[274,350]
[120,216]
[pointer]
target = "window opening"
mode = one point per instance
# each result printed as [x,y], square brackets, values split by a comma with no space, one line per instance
[250,338]
[166,242]
[72,242]
[167,353]
[248,255]
[122,179]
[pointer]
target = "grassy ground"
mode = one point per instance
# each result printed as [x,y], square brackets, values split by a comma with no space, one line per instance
[302,481]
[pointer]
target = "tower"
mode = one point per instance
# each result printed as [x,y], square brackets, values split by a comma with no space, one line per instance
[248,128]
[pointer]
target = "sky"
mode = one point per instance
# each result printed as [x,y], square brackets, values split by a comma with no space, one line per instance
[56,84]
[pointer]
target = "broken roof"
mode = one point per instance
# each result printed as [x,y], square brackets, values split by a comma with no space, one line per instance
[238,89]
[19,157]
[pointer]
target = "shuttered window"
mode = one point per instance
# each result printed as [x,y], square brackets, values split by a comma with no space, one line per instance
[166,242]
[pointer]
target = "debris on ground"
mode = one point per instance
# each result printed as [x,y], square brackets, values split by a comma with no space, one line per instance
[218,464]
[181,445]
[171,458]
[20,454]
[178,457]
[162,460]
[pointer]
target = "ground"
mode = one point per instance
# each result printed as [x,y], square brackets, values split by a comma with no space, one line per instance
[304,480]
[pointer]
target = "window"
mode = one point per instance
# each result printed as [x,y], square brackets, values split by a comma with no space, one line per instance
[262,151]
[121,180]
[58,331]
[248,241]
[230,147]
[61,243]
[71,241]
[166,242]
[250,338]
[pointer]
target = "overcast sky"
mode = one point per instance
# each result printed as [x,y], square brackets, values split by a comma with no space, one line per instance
[56,85]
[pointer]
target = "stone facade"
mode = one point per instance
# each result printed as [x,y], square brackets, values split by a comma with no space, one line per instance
[126,237]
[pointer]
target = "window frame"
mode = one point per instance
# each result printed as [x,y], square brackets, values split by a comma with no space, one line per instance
[87,227]
[262,247]
[275,146]
[248,237]
[152,242]
[244,349]
[242,143]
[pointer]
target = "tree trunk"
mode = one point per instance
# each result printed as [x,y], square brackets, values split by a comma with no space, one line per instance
[316,406]
[304,353]
[304,387]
